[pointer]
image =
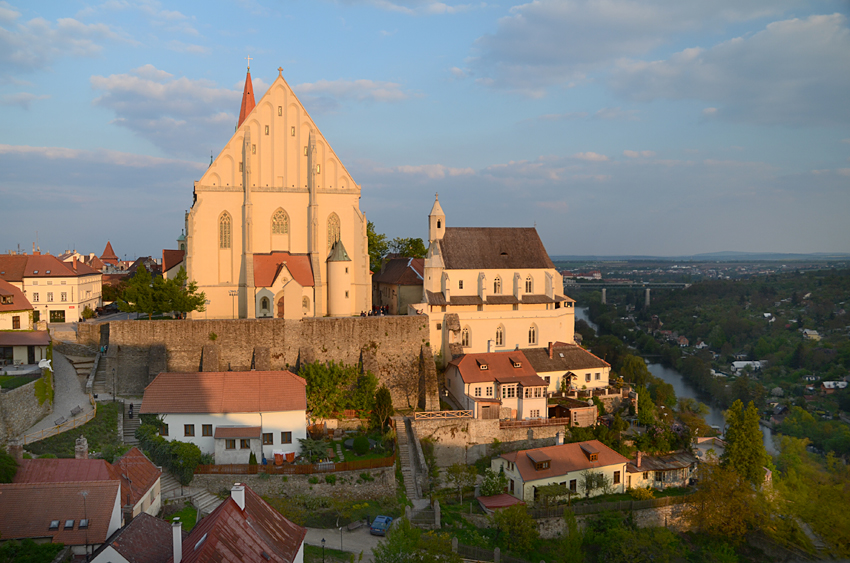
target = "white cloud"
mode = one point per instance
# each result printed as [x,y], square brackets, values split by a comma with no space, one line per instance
[617,113]
[844,171]
[100,156]
[792,72]
[845,141]
[459,73]
[590,156]
[434,171]
[553,42]
[179,115]
[328,95]
[563,116]
[8,13]
[636,154]
[22,99]
[417,7]
[181,47]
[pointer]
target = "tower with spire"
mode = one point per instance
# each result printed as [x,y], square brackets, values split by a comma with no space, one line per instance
[267,214]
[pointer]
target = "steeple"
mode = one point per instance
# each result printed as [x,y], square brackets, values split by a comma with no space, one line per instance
[436,221]
[247,98]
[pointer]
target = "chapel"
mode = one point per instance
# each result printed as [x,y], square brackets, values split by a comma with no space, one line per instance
[275,229]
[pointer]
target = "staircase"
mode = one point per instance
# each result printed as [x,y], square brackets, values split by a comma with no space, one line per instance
[100,385]
[82,365]
[407,469]
[200,498]
[131,424]
[170,487]
[205,502]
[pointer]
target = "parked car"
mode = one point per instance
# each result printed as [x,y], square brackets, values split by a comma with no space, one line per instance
[380,525]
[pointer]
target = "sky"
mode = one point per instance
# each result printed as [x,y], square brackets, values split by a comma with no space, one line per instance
[650,127]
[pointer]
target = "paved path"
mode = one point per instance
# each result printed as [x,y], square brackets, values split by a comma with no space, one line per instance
[69,394]
[360,540]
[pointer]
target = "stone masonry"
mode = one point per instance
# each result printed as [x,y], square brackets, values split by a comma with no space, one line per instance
[395,348]
[19,410]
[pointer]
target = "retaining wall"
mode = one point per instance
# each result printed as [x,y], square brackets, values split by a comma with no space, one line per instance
[19,411]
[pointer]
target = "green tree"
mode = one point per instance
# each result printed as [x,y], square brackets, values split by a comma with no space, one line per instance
[516,528]
[462,477]
[332,388]
[408,247]
[549,494]
[180,296]
[378,246]
[570,548]
[646,408]
[744,451]
[634,370]
[8,467]
[383,409]
[494,483]
[406,544]
[725,503]
[139,295]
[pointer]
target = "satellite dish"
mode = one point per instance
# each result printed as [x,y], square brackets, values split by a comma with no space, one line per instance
[45,364]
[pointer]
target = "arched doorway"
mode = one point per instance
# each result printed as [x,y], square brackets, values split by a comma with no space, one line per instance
[280,307]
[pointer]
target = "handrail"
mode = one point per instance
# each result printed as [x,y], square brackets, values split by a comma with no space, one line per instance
[441,414]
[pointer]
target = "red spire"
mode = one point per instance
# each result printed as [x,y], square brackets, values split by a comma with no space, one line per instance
[247,99]
[108,255]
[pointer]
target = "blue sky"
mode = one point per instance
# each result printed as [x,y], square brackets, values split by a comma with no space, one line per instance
[617,127]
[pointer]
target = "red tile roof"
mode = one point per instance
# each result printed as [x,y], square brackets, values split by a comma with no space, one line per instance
[237,432]
[257,534]
[171,258]
[565,357]
[500,367]
[47,266]
[19,300]
[108,255]
[146,539]
[26,510]
[137,473]
[248,102]
[495,502]
[268,267]
[566,458]
[12,267]
[25,338]
[222,392]
[63,470]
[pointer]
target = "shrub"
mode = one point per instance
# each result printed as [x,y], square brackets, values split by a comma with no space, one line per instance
[361,445]
[494,483]
[366,476]
[47,456]
[285,478]
[313,480]
[330,479]
[252,459]
[642,494]
[8,467]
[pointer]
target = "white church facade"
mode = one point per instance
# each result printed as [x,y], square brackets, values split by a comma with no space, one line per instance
[275,229]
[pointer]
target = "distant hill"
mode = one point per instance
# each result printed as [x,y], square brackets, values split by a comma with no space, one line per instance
[725,256]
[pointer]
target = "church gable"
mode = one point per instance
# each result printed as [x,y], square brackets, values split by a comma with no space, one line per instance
[279,129]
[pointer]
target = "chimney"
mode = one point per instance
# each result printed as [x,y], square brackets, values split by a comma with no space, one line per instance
[238,494]
[177,540]
[127,511]
[638,458]
[550,350]
[489,345]
[16,450]
[81,450]
[559,439]
[75,261]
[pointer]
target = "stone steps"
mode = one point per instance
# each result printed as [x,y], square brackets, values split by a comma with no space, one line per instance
[169,486]
[205,502]
[100,385]
[131,424]
[407,469]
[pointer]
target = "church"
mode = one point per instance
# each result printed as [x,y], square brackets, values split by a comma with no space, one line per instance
[275,229]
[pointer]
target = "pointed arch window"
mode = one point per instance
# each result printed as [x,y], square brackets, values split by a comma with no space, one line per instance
[500,336]
[464,337]
[333,230]
[264,305]
[497,286]
[225,229]
[529,286]
[305,304]
[532,335]
[280,223]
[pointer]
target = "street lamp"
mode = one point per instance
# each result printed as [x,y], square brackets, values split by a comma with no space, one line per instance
[323,550]
[233,293]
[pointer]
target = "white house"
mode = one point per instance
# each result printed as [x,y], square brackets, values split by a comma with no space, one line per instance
[565,366]
[565,464]
[19,343]
[497,385]
[232,413]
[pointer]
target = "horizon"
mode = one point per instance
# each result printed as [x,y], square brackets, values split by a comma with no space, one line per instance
[619,130]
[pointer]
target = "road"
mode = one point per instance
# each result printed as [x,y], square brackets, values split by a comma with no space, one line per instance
[68,394]
[360,540]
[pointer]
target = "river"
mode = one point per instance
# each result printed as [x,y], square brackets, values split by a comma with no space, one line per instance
[684,389]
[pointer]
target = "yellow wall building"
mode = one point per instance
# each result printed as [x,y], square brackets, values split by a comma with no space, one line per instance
[275,229]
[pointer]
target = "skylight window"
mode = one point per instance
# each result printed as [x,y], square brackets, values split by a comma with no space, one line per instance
[69,524]
[54,525]
[84,523]
[561,354]
[200,541]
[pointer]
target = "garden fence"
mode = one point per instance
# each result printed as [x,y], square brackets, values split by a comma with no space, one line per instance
[294,469]
[623,505]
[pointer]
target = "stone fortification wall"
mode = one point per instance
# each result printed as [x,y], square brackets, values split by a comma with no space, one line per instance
[468,440]
[19,411]
[348,484]
[389,346]
[667,516]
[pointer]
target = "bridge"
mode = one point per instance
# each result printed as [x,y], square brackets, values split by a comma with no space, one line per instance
[604,286]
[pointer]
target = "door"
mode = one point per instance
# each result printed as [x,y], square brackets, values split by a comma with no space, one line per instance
[280,308]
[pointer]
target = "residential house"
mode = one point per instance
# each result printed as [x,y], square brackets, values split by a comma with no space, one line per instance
[683,342]
[19,344]
[809,334]
[568,366]
[740,366]
[231,414]
[580,412]
[58,291]
[701,345]
[491,289]
[79,514]
[565,464]
[661,472]
[497,385]
[398,284]
[144,539]
[830,387]
[172,261]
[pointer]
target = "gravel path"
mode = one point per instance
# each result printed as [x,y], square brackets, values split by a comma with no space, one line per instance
[68,395]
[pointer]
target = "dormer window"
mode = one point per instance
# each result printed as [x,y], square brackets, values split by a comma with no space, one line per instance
[517,364]
[481,365]
[35,271]
[540,460]
[590,452]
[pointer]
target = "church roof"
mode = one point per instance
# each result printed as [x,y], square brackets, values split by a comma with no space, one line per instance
[338,253]
[491,248]
[247,98]
[437,209]
[108,254]
[401,271]
[267,268]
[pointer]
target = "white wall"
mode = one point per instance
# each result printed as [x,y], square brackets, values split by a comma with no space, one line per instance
[555,378]
[525,490]
[274,422]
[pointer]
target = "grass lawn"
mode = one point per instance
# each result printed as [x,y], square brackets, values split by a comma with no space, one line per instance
[15,381]
[100,432]
[313,554]
[188,517]
[329,512]
[349,455]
